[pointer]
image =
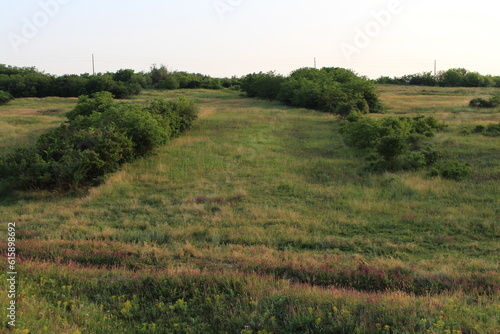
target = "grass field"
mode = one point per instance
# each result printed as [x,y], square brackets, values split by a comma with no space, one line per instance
[260,220]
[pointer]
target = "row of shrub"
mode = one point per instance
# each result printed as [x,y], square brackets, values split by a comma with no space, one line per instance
[490,130]
[98,137]
[334,90]
[492,102]
[455,77]
[5,97]
[162,78]
[29,82]
[400,143]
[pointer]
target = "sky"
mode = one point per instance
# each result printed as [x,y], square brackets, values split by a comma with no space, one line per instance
[224,38]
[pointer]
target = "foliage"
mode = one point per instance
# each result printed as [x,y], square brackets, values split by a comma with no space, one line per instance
[393,143]
[453,170]
[22,82]
[333,90]
[5,97]
[99,136]
[455,77]
[493,102]
[490,130]
[262,85]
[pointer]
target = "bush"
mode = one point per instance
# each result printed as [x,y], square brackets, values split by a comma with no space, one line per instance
[169,83]
[483,103]
[178,114]
[99,136]
[334,90]
[453,170]
[99,102]
[262,85]
[492,130]
[5,97]
[392,146]
[362,134]
[393,143]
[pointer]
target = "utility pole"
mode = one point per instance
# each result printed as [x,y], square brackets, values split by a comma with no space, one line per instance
[314,62]
[435,68]
[93,65]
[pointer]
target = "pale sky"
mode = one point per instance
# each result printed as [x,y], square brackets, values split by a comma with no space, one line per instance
[236,37]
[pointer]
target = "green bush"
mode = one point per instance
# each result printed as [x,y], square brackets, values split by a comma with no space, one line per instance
[178,114]
[492,130]
[99,102]
[393,143]
[262,85]
[334,90]
[99,136]
[5,97]
[453,170]
[169,83]
[390,147]
[493,102]
[362,134]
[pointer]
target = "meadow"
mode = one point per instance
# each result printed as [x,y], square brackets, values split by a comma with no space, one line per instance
[260,219]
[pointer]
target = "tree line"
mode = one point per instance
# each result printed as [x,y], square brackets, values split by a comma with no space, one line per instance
[455,77]
[21,82]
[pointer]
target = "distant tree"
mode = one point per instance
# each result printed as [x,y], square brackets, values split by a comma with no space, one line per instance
[452,78]
[170,82]
[384,80]
[124,76]
[474,79]
[158,73]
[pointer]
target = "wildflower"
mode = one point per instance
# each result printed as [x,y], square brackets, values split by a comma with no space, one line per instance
[423,321]
[318,321]
[345,312]
[439,324]
[127,307]
[387,327]
[172,307]
[335,309]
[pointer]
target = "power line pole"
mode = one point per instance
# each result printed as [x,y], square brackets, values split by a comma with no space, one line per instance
[93,65]
[314,62]
[435,68]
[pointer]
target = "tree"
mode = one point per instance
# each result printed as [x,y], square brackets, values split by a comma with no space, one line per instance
[474,79]
[158,74]
[453,78]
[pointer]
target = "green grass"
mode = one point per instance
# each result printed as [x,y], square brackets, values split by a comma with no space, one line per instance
[260,219]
